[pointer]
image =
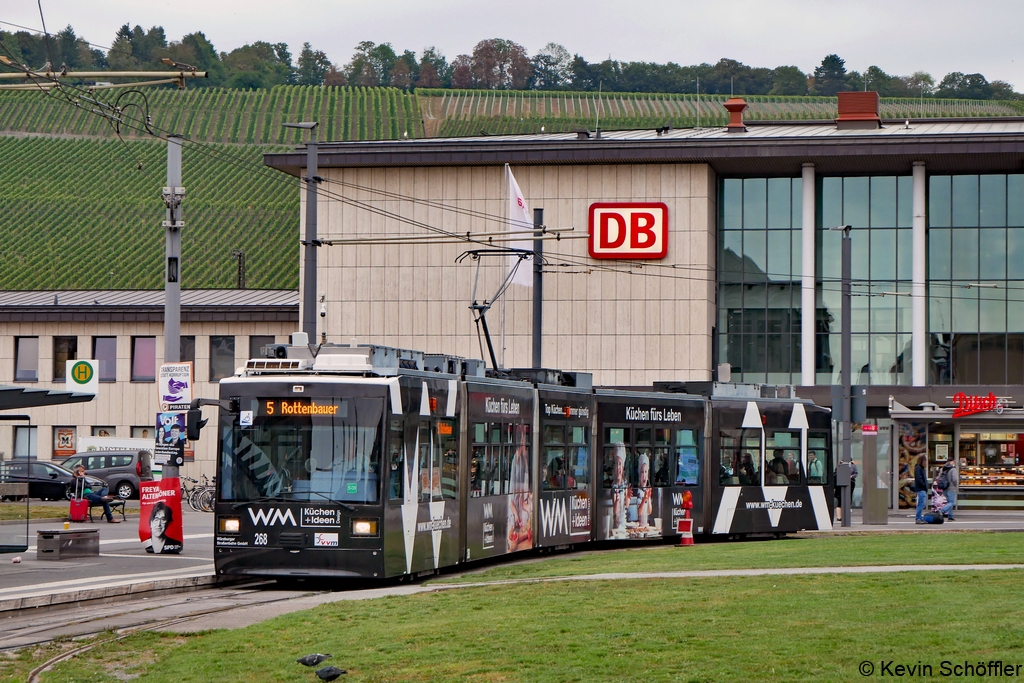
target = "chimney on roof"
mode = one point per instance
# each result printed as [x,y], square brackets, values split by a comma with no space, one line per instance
[858,111]
[736,106]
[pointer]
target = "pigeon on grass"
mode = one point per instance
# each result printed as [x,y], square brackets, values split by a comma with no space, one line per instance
[312,660]
[329,673]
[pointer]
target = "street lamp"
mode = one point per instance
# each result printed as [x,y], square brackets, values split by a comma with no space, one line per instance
[843,470]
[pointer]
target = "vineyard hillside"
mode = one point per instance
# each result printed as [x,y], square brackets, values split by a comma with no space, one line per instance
[79,214]
[451,113]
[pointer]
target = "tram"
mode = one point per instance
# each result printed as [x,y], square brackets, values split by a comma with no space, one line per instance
[363,461]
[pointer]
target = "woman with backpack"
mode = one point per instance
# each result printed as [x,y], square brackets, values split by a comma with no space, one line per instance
[948,481]
[920,485]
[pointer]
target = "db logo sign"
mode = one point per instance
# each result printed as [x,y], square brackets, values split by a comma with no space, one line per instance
[628,230]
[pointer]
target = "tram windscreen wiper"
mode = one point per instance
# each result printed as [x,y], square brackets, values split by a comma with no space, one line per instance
[348,507]
[261,499]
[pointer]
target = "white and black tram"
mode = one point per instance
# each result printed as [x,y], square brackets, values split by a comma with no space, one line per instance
[373,462]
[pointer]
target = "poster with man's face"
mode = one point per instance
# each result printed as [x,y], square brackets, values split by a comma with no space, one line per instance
[160,516]
[170,438]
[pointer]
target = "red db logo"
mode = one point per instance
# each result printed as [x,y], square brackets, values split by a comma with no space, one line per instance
[628,230]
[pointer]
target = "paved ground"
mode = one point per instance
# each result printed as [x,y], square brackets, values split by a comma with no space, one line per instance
[122,562]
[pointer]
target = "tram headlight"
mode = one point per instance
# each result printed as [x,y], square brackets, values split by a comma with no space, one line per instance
[364,527]
[230,525]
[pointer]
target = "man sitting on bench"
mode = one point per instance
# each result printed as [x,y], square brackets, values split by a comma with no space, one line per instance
[94,498]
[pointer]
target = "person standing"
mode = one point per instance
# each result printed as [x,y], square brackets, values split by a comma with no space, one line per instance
[921,485]
[952,484]
[815,470]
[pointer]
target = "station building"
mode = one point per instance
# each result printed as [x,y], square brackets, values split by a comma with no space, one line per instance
[749,279]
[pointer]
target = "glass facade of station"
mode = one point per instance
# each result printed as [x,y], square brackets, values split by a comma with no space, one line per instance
[975,278]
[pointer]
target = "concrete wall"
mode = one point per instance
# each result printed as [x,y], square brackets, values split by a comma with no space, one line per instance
[628,322]
[122,404]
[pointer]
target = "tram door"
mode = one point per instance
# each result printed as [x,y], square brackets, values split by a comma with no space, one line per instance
[564,502]
[499,511]
[422,513]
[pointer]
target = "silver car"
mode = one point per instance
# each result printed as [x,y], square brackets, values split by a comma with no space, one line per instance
[122,470]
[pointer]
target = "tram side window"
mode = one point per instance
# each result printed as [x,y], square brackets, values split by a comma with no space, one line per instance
[579,458]
[430,465]
[449,459]
[687,464]
[554,458]
[783,467]
[478,469]
[497,461]
[640,472]
[518,459]
[396,456]
[818,466]
[740,459]
[618,459]
[660,462]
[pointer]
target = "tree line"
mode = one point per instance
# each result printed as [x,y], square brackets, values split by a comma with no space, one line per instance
[494,64]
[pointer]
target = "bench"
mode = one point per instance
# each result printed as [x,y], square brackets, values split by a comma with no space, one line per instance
[116,506]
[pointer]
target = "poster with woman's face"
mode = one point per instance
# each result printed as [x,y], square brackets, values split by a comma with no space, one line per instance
[160,516]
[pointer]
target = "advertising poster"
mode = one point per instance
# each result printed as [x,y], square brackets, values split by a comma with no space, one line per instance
[175,386]
[160,516]
[913,442]
[170,438]
[63,442]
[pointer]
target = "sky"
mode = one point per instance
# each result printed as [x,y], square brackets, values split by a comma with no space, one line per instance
[937,36]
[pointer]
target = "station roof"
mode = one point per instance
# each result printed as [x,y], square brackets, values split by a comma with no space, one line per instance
[133,305]
[953,145]
[17,398]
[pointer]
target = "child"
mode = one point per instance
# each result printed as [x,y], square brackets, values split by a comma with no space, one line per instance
[938,501]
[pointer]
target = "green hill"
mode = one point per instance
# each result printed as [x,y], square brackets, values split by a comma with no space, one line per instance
[76,213]
[226,116]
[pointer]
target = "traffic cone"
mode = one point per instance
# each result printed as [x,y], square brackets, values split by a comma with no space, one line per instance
[685,529]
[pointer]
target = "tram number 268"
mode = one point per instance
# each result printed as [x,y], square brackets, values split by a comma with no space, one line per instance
[261,539]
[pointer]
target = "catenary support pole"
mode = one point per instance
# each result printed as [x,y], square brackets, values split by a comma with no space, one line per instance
[918,329]
[173,194]
[538,285]
[309,245]
[845,350]
[807,299]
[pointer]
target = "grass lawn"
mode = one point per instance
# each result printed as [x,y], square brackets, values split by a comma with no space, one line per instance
[816,628]
[822,551]
[12,511]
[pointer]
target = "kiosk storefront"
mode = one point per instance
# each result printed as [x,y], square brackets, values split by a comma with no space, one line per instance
[984,434]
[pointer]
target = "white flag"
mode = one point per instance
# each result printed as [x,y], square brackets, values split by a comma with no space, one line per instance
[519,219]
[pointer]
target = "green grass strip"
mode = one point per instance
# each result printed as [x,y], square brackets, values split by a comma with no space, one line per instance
[806,628]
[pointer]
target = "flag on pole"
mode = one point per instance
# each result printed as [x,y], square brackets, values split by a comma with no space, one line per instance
[519,219]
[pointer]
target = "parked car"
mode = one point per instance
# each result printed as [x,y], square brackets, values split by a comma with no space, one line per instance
[123,470]
[45,480]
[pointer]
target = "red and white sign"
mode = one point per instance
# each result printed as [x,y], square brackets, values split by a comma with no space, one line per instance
[972,405]
[160,528]
[628,230]
[869,429]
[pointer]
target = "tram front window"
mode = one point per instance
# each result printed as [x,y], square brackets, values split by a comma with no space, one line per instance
[304,449]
